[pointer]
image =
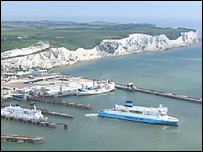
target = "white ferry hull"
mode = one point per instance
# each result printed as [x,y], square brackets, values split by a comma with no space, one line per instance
[93,92]
[96,88]
[139,119]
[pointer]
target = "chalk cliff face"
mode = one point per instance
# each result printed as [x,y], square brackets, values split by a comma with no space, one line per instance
[51,58]
[61,56]
[25,51]
[142,42]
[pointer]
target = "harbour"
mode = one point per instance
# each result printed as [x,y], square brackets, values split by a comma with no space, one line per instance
[82,131]
[42,97]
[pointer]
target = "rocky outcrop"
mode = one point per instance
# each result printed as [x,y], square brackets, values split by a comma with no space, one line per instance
[61,56]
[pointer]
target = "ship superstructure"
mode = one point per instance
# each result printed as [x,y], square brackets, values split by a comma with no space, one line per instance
[18,112]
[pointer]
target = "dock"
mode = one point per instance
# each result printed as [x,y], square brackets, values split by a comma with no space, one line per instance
[58,114]
[41,123]
[59,102]
[160,93]
[22,139]
[33,122]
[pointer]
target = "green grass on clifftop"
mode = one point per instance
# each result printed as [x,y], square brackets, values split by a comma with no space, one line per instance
[74,35]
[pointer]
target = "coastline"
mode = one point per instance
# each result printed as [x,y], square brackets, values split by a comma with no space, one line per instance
[135,43]
[82,126]
[189,114]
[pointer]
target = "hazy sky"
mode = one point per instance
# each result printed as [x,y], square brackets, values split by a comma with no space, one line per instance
[86,11]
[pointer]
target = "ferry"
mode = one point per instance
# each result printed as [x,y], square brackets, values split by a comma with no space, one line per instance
[140,114]
[97,88]
[18,112]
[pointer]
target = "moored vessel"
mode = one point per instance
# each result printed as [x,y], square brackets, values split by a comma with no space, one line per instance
[96,88]
[18,112]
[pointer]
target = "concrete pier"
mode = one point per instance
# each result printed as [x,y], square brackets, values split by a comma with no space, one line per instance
[58,102]
[22,139]
[165,94]
[58,114]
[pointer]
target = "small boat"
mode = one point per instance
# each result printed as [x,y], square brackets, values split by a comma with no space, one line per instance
[140,114]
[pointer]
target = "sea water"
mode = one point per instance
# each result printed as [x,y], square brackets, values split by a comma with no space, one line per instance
[176,70]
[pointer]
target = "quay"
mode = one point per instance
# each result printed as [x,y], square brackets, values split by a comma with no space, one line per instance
[58,102]
[42,123]
[165,94]
[22,139]
[33,122]
[58,114]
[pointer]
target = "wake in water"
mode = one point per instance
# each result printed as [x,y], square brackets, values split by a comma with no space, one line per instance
[165,127]
[93,116]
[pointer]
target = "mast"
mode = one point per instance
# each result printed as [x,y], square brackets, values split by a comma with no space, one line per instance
[34,107]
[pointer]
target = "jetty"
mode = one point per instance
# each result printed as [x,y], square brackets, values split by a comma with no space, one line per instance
[48,112]
[130,87]
[58,114]
[41,123]
[59,102]
[33,122]
[22,139]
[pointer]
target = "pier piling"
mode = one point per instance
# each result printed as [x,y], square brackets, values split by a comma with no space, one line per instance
[33,122]
[65,126]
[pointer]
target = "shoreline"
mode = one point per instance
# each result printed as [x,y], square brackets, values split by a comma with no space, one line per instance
[134,44]
[135,53]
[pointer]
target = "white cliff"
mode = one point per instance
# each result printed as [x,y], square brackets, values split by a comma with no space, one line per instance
[51,58]
[142,42]
[25,51]
[61,56]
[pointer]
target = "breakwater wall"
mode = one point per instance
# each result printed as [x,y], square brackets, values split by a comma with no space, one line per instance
[160,93]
